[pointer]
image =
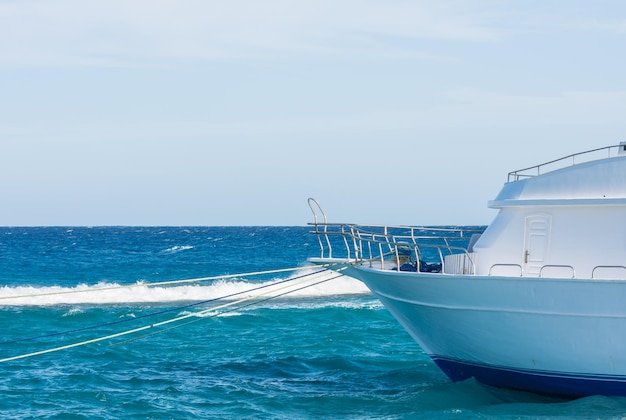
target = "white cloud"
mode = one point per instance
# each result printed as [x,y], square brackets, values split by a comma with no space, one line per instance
[463,108]
[140,32]
[117,32]
[615,27]
[480,108]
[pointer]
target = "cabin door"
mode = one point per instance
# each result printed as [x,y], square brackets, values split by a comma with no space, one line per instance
[536,244]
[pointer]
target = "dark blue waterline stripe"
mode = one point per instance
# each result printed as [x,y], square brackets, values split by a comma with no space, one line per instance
[546,382]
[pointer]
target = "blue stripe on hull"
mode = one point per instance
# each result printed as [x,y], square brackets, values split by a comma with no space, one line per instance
[556,383]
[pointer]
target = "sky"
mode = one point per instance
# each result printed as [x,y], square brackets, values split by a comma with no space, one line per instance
[217,113]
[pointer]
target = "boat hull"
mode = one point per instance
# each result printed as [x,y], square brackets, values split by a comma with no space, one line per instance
[557,336]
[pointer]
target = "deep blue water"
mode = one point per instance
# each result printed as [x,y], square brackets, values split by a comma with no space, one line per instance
[329,351]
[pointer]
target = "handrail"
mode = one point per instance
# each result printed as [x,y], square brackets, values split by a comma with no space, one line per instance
[557,266]
[381,242]
[516,175]
[605,266]
[319,239]
[507,265]
[381,245]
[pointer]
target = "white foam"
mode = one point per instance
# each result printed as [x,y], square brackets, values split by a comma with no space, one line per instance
[177,248]
[112,293]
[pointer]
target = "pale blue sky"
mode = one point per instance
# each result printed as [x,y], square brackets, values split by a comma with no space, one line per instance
[235,112]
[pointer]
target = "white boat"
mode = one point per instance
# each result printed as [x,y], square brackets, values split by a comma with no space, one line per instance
[535,301]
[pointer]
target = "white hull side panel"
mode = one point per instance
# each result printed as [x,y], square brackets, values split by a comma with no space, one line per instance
[537,326]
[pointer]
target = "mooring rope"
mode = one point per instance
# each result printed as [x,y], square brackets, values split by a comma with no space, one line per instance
[179,308]
[199,314]
[163,283]
[200,318]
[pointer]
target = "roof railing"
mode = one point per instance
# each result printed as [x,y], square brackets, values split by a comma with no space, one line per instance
[566,161]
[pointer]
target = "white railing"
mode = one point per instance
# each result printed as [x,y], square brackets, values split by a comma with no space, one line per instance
[571,160]
[405,248]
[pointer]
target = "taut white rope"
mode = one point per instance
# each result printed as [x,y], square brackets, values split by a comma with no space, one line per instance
[161,283]
[169,321]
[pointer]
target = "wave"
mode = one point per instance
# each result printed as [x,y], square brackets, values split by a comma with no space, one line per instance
[177,248]
[323,284]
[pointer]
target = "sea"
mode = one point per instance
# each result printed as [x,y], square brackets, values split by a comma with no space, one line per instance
[217,323]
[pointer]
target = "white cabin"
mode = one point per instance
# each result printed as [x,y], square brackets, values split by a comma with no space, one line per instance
[567,223]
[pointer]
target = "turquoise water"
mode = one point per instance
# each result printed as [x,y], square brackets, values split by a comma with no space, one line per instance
[328,351]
